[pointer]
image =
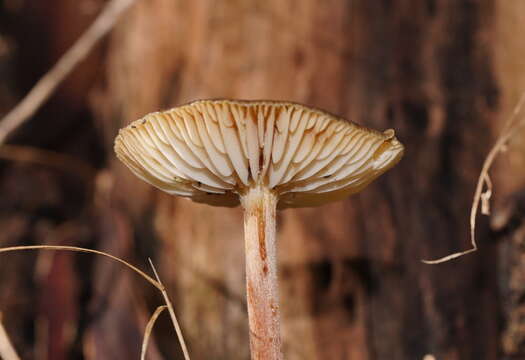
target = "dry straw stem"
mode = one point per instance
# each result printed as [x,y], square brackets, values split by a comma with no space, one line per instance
[157,283]
[512,127]
[7,351]
[172,314]
[149,328]
[152,281]
[105,21]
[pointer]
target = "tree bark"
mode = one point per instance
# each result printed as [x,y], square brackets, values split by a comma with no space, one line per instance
[353,285]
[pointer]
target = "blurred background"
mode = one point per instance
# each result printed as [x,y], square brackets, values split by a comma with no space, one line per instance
[445,74]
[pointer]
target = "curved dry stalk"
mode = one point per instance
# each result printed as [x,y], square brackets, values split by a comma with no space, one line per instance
[152,281]
[49,82]
[157,283]
[149,328]
[7,351]
[172,314]
[510,129]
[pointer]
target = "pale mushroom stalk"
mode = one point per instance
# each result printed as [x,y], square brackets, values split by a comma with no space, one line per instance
[265,155]
[262,294]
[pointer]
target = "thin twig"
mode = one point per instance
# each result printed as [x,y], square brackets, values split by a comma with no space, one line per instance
[510,129]
[149,328]
[105,21]
[172,314]
[7,351]
[152,281]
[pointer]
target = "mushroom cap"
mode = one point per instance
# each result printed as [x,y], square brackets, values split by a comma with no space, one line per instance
[213,151]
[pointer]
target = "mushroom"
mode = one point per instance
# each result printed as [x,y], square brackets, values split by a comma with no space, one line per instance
[264,155]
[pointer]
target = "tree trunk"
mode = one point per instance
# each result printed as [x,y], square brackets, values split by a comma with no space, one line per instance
[353,285]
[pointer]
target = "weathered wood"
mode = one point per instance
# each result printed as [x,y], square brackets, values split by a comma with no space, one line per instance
[353,285]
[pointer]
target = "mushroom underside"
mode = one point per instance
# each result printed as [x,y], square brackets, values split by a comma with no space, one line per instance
[213,151]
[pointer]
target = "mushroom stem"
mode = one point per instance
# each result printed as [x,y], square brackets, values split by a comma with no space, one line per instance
[261,273]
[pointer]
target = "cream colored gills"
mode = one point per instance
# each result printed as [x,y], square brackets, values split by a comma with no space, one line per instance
[213,148]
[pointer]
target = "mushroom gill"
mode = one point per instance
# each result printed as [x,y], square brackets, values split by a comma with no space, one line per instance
[215,150]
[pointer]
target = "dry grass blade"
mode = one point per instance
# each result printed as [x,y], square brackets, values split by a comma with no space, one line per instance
[510,129]
[149,328]
[172,314]
[49,82]
[157,283]
[152,281]
[7,351]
